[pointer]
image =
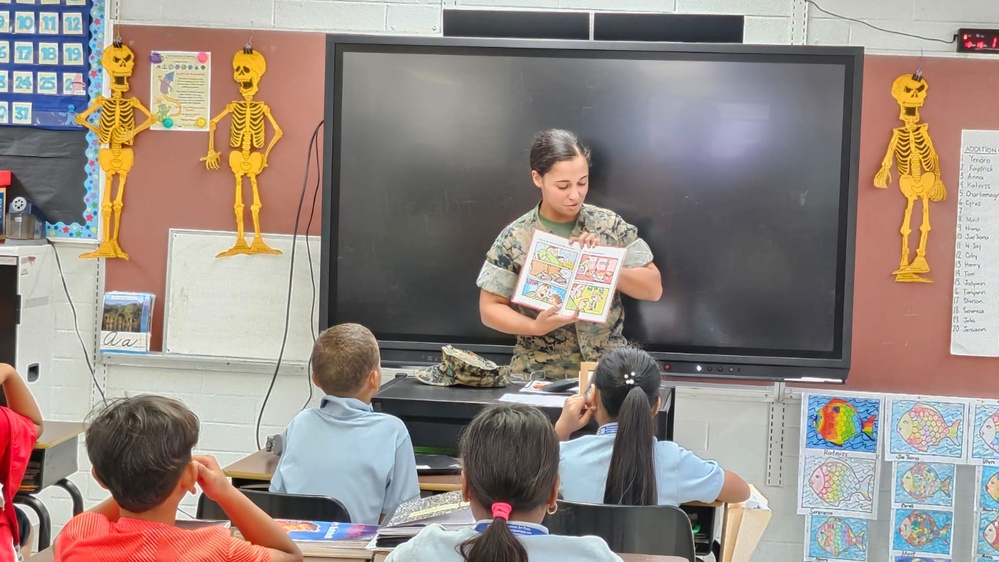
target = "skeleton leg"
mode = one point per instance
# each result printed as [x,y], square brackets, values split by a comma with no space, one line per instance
[106,249]
[920,265]
[258,246]
[119,253]
[240,247]
[906,230]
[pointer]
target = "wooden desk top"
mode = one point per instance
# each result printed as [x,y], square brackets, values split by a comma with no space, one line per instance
[54,432]
[260,466]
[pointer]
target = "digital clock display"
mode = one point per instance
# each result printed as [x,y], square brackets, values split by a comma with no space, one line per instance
[978,40]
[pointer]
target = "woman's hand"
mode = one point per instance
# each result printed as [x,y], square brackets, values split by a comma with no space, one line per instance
[585,240]
[549,320]
[576,413]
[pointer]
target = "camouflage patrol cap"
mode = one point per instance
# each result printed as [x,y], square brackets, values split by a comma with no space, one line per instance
[465,368]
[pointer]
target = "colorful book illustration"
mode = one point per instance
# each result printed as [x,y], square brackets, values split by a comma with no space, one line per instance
[316,536]
[127,322]
[576,279]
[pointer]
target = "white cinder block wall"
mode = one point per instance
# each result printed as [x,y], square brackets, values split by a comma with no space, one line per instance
[227,396]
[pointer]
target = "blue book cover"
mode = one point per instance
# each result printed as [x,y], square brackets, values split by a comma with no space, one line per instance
[321,531]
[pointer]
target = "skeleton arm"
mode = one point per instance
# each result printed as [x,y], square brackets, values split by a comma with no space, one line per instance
[883,177]
[83,118]
[278,133]
[146,124]
[212,160]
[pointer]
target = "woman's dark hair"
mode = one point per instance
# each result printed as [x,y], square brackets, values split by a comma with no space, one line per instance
[628,379]
[509,455]
[553,146]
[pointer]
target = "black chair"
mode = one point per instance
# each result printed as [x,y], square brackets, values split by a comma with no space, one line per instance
[282,506]
[657,529]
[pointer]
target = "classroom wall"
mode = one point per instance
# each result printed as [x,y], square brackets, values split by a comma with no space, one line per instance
[767,21]
[731,427]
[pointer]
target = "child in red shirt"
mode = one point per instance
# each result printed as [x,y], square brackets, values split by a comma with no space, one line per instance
[20,425]
[140,449]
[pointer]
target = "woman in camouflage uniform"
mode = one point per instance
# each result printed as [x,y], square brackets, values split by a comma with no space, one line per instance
[546,341]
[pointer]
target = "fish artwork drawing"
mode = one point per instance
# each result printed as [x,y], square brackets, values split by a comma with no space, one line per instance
[988,432]
[836,537]
[923,427]
[922,482]
[838,422]
[834,482]
[919,529]
[992,487]
[991,534]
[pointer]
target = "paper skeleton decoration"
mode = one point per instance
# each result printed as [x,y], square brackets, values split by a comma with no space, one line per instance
[247,133]
[918,172]
[116,129]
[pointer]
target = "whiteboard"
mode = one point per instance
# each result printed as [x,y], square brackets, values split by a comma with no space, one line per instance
[235,306]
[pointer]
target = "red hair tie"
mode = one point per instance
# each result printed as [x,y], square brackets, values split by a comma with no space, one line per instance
[502,510]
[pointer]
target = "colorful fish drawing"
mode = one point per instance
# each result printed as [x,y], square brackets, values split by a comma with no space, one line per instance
[921,482]
[834,481]
[991,534]
[924,427]
[838,422]
[836,537]
[988,432]
[992,487]
[920,529]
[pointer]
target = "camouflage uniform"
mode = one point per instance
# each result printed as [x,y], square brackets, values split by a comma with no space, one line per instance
[559,353]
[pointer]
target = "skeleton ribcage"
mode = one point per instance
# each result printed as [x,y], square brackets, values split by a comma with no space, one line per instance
[117,117]
[247,124]
[913,143]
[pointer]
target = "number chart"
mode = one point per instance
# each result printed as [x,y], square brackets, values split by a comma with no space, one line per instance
[44,62]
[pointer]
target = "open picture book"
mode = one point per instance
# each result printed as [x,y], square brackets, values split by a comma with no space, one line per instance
[574,278]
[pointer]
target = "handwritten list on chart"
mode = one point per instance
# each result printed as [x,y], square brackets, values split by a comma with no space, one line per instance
[975,323]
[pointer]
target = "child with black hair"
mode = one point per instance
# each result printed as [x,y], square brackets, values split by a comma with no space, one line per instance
[624,463]
[510,475]
[141,451]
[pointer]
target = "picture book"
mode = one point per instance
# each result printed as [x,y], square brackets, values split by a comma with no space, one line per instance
[577,279]
[317,535]
[127,322]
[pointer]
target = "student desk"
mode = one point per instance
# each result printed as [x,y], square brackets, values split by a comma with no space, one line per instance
[435,416]
[48,555]
[258,468]
[53,460]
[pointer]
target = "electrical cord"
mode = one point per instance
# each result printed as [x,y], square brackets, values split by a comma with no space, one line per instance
[76,325]
[881,29]
[312,273]
[291,278]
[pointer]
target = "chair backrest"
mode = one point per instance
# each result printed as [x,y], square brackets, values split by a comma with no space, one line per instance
[655,529]
[282,506]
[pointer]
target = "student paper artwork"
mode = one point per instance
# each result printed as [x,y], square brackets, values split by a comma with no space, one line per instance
[841,423]
[984,433]
[918,559]
[838,486]
[927,430]
[831,538]
[917,532]
[577,280]
[987,489]
[987,537]
[922,484]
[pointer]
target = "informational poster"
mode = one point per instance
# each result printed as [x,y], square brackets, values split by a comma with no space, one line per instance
[180,90]
[44,52]
[975,322]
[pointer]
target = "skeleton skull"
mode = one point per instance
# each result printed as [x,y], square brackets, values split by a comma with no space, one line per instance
[118,60]
[248,66]
[910,93]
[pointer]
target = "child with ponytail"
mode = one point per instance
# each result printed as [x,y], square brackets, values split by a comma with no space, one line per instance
[510,476]
[624,463]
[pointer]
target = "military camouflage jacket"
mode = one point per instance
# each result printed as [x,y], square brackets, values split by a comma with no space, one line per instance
[559,353]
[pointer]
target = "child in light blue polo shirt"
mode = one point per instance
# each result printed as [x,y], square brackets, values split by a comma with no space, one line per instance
[344,449]
[624,463]
[510,466]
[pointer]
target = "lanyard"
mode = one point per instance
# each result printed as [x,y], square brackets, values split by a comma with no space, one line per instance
[517,529]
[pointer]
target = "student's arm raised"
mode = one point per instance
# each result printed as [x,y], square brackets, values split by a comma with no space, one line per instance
[256,526]
[19,398]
